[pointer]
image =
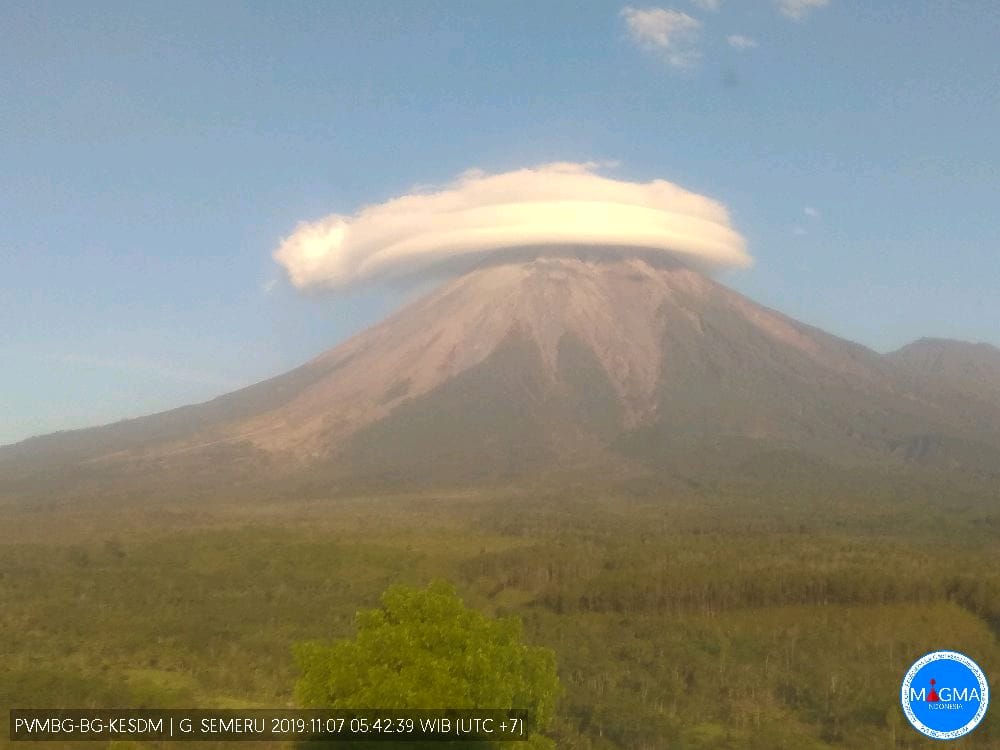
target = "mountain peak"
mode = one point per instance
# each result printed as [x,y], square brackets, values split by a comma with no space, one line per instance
[556,362]
[972,369]
[939,344]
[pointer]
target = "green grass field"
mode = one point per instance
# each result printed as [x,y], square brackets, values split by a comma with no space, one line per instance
[690,619]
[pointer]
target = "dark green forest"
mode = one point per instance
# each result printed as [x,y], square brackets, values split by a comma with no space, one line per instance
[731,616]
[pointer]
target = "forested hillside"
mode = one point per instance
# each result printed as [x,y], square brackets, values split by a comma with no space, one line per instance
[714,617]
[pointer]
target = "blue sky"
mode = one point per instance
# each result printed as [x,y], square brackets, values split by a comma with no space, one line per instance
[154,155]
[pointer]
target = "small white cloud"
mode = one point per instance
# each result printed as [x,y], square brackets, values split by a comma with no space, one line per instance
[669,33]
[811,212]
[798,9]
[709,5]
[798,231]
[268,286]
[738,41]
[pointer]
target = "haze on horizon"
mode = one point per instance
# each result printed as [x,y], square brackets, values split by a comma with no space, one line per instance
[156,157]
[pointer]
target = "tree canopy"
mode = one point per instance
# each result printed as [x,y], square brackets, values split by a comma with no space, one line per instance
[423,648]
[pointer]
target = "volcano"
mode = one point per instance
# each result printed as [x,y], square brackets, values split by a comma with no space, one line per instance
[562,364]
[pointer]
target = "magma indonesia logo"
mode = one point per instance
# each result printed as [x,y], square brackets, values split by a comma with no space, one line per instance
[945,695]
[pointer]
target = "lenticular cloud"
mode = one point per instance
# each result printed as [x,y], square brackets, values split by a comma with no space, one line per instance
[548,208]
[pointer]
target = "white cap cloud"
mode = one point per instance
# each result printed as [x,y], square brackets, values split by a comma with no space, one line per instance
[549,208]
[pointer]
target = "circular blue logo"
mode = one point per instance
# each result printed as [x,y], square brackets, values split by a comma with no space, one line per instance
[945,695]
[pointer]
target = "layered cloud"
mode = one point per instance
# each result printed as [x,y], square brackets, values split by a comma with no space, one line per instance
[553,208]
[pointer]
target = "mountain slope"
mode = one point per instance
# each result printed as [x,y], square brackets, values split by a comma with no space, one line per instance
[553,365]
[971,369]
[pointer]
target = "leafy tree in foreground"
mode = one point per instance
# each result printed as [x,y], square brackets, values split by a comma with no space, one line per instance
[426,649]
